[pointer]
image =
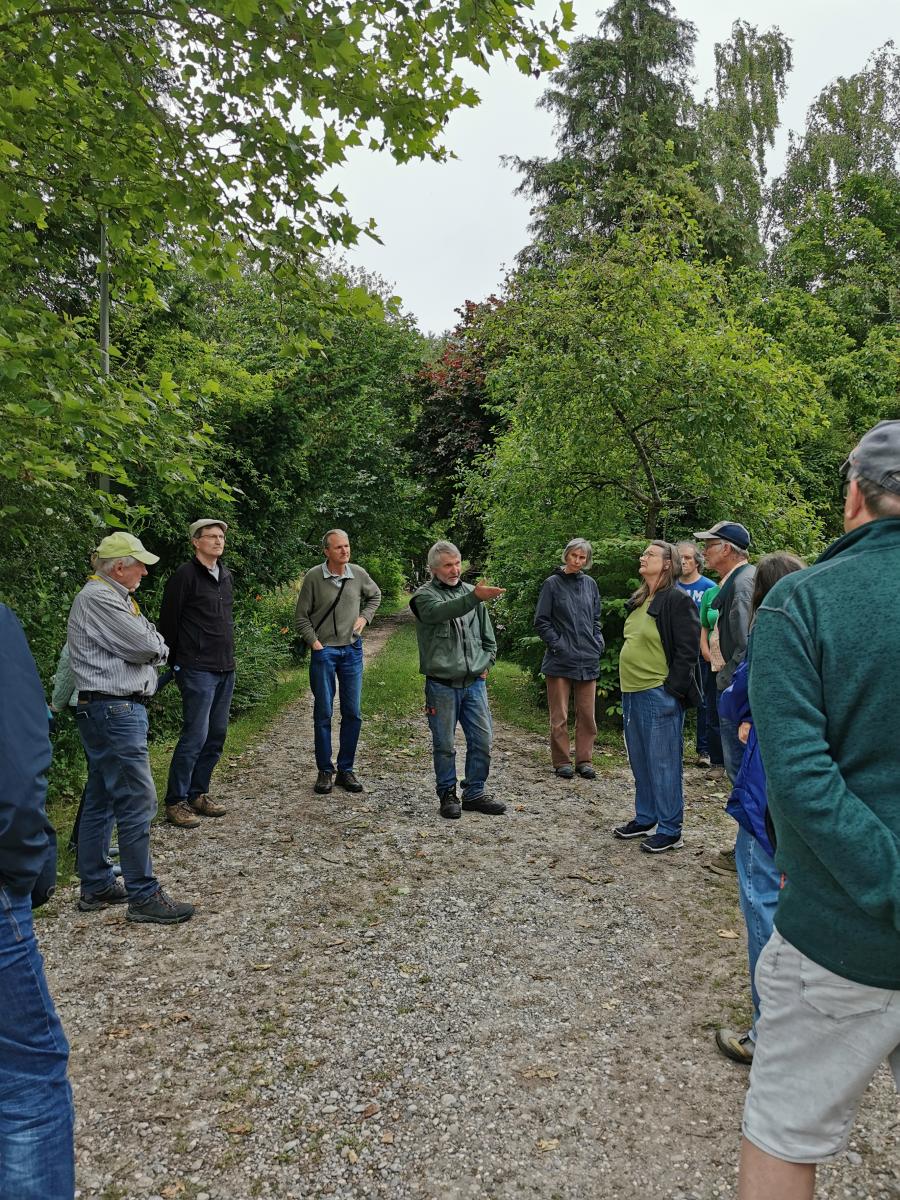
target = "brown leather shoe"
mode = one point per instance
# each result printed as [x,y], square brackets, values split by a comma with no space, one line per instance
[181,814]
[206,807]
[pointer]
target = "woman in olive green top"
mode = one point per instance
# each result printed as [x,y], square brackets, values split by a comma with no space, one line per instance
[659,678]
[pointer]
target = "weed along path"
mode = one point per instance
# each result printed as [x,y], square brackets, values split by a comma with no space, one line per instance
[374,1002]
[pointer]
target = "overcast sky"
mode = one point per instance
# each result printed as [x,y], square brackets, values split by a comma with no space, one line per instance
[449,230]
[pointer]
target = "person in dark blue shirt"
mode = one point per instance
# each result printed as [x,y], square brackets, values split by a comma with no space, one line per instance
[37,1159]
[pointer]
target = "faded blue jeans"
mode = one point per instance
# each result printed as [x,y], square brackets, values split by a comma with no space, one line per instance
[205,704]
[120,784]
[37,1161]
[654,732]
[759,882]
[467,706]
[336,668]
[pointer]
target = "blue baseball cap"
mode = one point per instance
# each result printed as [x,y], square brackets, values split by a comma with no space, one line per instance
[726,531]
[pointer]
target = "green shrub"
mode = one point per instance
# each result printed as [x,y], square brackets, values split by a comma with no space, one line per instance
[387,570]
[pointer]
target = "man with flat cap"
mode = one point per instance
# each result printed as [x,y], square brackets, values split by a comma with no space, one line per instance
[197,623]
[823,689]
[114,652]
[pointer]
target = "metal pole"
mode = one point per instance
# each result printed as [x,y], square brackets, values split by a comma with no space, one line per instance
[104,301]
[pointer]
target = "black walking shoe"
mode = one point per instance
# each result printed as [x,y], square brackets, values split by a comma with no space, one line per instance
[492,808]
[114,894]
[662,841]
[566,771]
[450,808]
[324,783]
[348,781]
[586,771]
[160,909]
[632,830]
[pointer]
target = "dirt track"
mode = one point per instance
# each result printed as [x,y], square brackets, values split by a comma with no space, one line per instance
[373,1002]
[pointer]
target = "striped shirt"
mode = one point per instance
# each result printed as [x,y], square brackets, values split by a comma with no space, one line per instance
[112,647]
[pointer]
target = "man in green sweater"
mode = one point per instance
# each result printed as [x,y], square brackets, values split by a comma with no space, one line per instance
[823,693]
[457,648]
[336,602]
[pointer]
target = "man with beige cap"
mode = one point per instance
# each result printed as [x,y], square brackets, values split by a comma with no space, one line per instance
[197,623]
[114,652]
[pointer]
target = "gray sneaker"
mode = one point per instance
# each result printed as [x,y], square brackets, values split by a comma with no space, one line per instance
[114,894]
[160,909]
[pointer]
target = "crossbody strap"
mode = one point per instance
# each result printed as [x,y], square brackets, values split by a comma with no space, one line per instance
[334,605]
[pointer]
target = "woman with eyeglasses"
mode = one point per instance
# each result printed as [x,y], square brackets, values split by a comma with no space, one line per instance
[658,677]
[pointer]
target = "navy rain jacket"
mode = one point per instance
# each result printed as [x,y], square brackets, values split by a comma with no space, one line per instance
[567,618]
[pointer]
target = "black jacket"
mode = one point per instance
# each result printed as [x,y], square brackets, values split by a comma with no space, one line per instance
[568,619]
[196,618]
[678,623]
[27,839]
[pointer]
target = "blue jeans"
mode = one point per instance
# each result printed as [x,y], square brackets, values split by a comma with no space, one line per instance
[709,706]
[205,703]
[759,882]
[732,747]
[120,785]
[37,1161]
[468,706]
[654,731]
[331,668]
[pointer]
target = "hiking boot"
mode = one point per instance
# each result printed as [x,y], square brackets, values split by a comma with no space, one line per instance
[716,774]
[324,783]
[702,760]
[160,909]
[632,830]
[658,842]
[182,815]
[585,771]
[566,771]
[348,781]
[450,808]
[114,894]
[206,807]
[491,808]
[725,860]
[739,1048]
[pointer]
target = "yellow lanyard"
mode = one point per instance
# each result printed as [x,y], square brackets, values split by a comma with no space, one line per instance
[135,607]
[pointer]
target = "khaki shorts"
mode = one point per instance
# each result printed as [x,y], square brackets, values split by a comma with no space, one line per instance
[820,1040]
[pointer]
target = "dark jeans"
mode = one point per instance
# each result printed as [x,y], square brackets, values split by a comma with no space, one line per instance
[330,669]
[708,717]
[732,747]
[37,1161]
[467,706]
[120,784]
[205,702]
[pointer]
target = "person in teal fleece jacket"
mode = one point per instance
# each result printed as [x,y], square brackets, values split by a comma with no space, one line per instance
[823,688]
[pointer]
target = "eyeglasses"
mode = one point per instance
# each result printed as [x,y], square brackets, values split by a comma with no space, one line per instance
[651,554]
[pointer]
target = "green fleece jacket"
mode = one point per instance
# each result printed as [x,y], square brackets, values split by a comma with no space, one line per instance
[455,635]
[823,689]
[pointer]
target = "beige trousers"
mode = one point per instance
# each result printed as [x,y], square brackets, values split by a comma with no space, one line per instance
[558,691]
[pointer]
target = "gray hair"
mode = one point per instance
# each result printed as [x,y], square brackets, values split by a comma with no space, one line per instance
[331,533]
[694,548]
[106,566]
[581,544]
[881,502]
[437,552]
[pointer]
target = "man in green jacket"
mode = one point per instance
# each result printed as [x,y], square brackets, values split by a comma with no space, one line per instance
[823,692]
[336,602]
[457,648]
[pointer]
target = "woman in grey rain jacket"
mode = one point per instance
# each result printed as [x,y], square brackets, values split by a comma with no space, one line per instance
[567,618]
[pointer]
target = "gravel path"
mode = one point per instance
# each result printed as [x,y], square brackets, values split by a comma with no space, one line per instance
[371,1002]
